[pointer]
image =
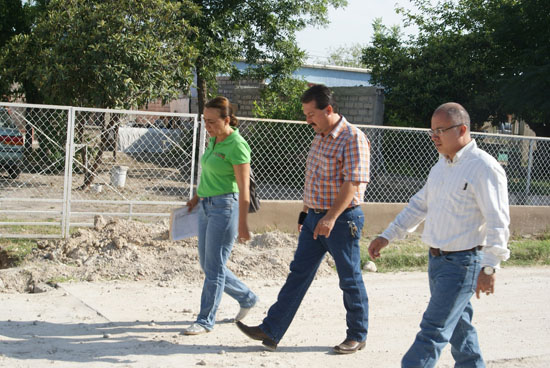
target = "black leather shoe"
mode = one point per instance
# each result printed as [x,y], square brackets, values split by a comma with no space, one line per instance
[349,346]
[256,333]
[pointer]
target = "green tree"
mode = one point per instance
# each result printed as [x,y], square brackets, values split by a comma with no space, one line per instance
[12,19]
[281,100]
[17,17]
[345,56]
[469,51]
[522,33]
[258,32]
[12,22]
[119,54]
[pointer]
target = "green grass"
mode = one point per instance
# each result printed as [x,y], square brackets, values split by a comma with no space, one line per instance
[404,255]
[58,280]
[30,229]
[518,185]
[14,251]
[412,255]
[534,251]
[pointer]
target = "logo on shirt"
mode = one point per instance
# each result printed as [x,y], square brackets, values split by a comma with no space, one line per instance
[220,155]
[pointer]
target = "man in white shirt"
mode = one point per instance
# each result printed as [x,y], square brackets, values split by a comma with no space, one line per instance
[464,204]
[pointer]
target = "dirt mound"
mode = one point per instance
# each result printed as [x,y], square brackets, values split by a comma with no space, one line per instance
[117,249]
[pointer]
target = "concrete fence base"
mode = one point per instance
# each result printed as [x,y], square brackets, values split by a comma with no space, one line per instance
[283,215]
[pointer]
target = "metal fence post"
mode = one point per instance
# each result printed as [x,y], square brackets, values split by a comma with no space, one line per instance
[193,157]
[529,169]
[202,145]
[69,156]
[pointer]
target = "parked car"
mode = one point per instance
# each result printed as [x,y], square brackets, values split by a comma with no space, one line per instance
[12,142]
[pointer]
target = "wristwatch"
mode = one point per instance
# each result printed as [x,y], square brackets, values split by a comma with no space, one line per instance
[488,270]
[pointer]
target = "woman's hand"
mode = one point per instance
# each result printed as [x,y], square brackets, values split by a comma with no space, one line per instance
[192,203]
[244,234]
[242,175]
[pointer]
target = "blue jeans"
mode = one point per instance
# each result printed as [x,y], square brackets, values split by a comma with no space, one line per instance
[344,248]
[218,226]
[448,318]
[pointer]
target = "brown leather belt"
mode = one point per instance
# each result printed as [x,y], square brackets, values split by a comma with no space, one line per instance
[436,252]
[322,210]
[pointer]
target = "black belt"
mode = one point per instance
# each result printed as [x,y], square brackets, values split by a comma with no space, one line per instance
[321,210]
[436,252]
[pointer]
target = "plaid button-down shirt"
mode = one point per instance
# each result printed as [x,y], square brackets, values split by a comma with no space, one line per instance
[340,156]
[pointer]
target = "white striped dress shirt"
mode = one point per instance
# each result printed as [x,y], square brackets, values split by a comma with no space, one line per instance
[464,203]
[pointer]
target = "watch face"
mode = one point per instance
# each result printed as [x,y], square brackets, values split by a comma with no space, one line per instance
[488,270]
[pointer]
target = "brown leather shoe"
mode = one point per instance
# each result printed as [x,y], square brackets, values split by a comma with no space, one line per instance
[349,346]
[256,333]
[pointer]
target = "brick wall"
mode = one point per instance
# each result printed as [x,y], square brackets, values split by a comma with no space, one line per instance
[241,93]
[180,104]
[360,105]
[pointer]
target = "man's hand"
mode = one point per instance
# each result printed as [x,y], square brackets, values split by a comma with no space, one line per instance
[376,246]
[485,284]
[324,227]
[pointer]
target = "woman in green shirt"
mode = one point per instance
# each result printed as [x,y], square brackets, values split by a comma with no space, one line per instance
[223,200]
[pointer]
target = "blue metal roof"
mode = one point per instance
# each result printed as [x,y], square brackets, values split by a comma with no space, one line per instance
[329,75]
[334,76]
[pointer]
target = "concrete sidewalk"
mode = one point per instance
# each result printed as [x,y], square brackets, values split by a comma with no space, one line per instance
[135,324]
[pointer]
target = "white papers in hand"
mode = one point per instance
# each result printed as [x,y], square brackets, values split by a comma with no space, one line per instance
[184,224]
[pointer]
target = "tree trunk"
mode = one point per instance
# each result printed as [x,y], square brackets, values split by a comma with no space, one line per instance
[105,141]
[201,85]
[79,139]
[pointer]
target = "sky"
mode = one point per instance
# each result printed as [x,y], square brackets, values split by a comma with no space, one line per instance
[350,25]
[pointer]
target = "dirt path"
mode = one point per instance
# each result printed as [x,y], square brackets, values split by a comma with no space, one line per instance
[137,324]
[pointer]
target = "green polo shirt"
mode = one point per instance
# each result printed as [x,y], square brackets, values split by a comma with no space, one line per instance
[218,176]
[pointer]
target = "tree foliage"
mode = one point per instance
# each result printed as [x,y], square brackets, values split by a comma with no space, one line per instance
[350,56]
[17,17]
[492,56]
[258,32]
[105,54]
[96,53]
[281,100]
[125,53]
[13,21]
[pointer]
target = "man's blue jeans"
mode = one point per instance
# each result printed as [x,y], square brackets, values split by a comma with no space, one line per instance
[448,318]
[344,248]
[218,226]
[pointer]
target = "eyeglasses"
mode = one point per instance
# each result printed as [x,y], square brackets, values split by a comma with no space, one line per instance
[440,131]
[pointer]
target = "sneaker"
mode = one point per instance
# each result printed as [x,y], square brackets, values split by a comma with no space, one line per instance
[243,312]
[194,329]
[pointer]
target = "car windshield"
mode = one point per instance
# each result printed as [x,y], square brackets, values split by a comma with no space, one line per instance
[5,119]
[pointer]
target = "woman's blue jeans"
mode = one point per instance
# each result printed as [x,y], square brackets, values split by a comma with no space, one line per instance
[343,245]
[218,226]
[448,318]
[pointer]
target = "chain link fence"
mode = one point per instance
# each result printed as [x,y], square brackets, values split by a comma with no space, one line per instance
[61,166]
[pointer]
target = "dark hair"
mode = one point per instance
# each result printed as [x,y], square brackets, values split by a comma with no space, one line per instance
[455,112]
[225,108]
[321,95]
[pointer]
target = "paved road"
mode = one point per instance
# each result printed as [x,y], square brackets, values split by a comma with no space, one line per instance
[134,324]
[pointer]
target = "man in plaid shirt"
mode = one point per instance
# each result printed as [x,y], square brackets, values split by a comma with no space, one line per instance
[337,173]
